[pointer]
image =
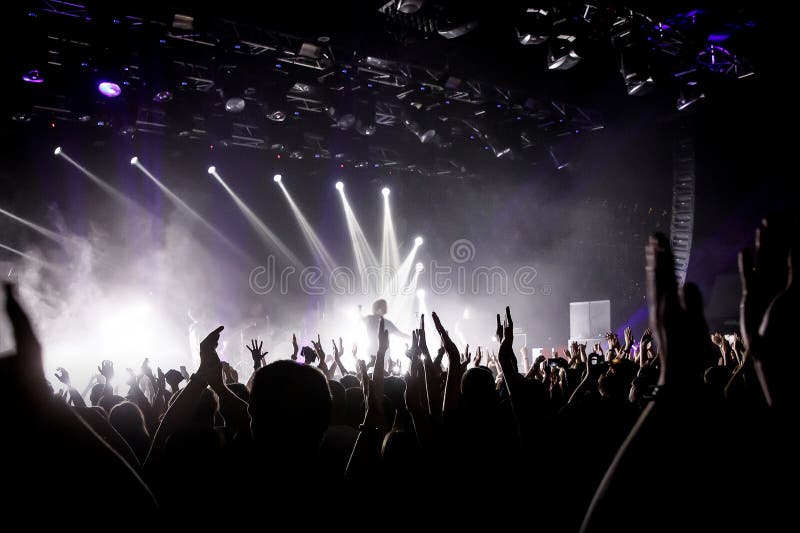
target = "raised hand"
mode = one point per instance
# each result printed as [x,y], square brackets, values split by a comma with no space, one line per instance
[506,353]
[421,340]
[28,360]
[208,352]
[294,347]
[383,338]
[255,352]
[355,351]
[466,359]
[106,370]
[161,379]
[184,372]
[678,323]
[478,356]
[147,371]
[499,330]
[449,346]
[63,376]
[628,339]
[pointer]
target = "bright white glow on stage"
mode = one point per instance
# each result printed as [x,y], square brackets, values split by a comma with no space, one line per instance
[187,210]
[266,234]
[418,241]
[385,191]
[57,151]
[319,250]
[421,294]
[339,186]
[277,178]
[419,267]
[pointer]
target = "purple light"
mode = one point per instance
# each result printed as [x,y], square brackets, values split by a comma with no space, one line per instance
[33,76]
[718,37]
[109,89]
[344,71]
[277,65]
[499,106]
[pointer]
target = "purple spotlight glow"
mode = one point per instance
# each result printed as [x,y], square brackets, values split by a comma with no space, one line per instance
[33,76]
[109,89]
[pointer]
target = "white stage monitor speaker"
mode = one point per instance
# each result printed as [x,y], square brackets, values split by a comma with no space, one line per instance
[589,320]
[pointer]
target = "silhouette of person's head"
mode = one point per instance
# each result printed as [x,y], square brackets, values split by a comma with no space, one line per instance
[379,307]
[240,390]
[97,392]
[290,407]
[108,401]
[350,381]
[478,388]
[127,419]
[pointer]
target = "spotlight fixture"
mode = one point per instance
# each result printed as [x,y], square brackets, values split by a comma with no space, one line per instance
[691,90]
[134,160]
[57,151]
[635,71]
[534,27]
[409,6]
[277,178]
[420,293]
[212,169]
[276,115]
[385,192]
[339,186]
[162,97]
[418,241]
[561,54]
[109,89]
[234,105]
[33,76]
[419,267]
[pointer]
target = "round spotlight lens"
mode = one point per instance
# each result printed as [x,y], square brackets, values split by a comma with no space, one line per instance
[277,178]
[339,186]
[162,96]
[385,191]
[109,89]
[33,76]
[418,241]
[234,105]
[420,293]
[212,169]
[420,267]
[57,151]
[134,160]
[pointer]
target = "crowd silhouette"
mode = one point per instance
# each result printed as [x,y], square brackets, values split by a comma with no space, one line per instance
[677,428]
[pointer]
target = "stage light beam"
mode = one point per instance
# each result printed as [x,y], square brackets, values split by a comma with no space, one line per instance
[112,191]
[185,208]
[266,234]
[52,235]
[339,186]
[319,250]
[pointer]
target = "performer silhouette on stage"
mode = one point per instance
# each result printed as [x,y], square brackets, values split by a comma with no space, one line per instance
[371,322]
